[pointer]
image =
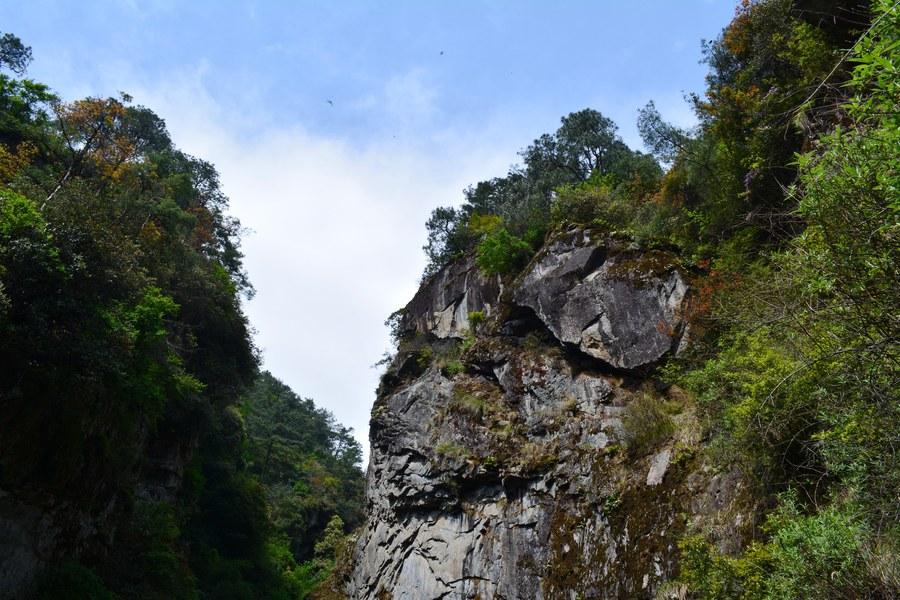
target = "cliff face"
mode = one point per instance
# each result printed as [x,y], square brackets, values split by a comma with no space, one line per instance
[519,448]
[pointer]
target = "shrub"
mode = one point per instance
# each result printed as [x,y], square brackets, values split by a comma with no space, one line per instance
[468,404]
[424,357]
[760,400]
[646,424]
[500,253]
[584,202]
[453,367]
[476,318]
[822,555]
[451,450]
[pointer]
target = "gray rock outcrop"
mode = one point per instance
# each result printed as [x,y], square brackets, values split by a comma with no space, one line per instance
[505,465]
[443,304]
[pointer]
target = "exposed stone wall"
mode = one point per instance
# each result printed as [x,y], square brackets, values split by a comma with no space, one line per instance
[623,306]
[502,467]
[442,305]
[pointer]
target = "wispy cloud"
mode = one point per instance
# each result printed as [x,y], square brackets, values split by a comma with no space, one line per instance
[403,102]
[337,230]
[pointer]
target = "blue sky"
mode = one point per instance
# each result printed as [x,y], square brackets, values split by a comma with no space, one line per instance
[425,98]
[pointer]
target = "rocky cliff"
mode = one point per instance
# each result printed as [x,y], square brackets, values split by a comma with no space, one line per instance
[521,446]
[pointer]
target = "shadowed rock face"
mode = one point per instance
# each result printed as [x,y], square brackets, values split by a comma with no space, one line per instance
[29,537]
[501,469]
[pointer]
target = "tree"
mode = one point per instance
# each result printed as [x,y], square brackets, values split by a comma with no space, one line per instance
[585,145]
[307,463]
[588,143]
[14,55]
[664,140]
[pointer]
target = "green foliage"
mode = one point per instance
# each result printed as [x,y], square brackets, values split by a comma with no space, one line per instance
[802,383]
[507,218]
[453,367]
[308,464]
[160,568]
[847,261]
[424,357]
[14,55]
[332,540]
[730,174]
[149,561]
[874,78]
[806,548]
[757,65]
[448,238]
[309,576]
[26,245]
[451,450]
[500,253]
[156,372]
[822,555]
[124,340]
[468,404]
[616,202]
[645,424]
[586,202]
[759,397]
[394,323]
[125,299]
[125,350]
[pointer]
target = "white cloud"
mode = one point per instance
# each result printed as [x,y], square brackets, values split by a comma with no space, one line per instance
[404,102]
[409,97]
[337,230]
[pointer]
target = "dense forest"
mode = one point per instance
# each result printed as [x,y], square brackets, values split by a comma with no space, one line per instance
[135,418]
[786,200]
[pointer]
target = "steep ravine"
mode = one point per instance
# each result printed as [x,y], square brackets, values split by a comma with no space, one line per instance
[520,445]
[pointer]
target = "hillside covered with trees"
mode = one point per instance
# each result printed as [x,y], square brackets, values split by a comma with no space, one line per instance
[786,200]
[159,461]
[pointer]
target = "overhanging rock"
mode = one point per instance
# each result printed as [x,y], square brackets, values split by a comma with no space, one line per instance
[620,305]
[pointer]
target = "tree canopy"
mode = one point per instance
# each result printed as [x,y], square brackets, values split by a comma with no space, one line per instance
[585,146]
[130,382]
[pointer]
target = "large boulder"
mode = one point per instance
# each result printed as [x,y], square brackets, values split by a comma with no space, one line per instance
[622,305]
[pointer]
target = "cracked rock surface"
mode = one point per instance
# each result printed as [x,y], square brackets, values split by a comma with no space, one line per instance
[502,461]
[625,307]
[443,304]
